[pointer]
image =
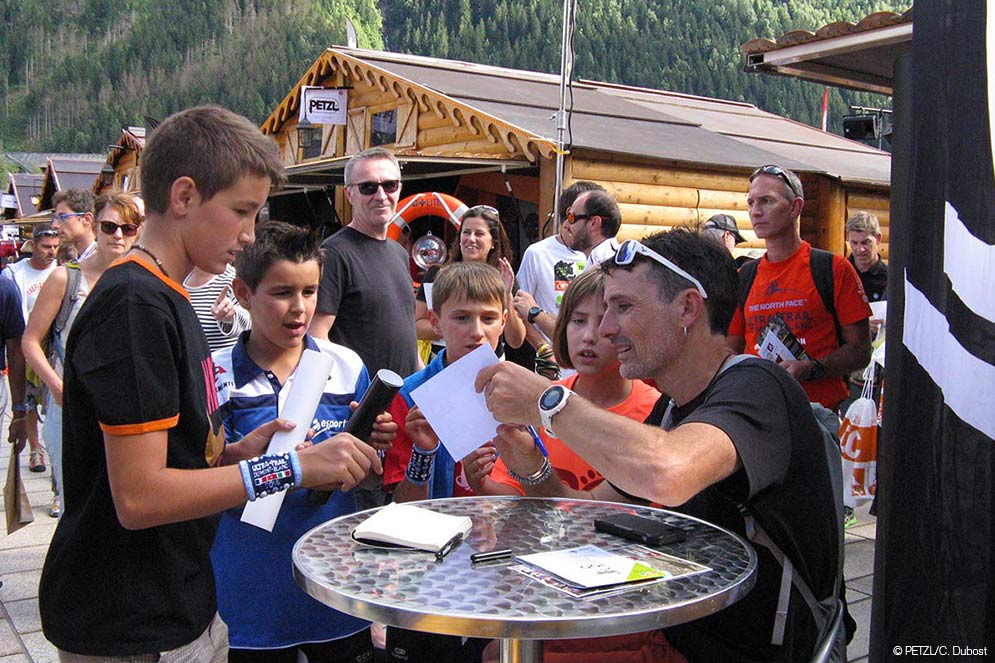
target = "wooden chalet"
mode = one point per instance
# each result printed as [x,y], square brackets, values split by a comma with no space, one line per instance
[76,172]
[486,135]
[24,189]
[124,158]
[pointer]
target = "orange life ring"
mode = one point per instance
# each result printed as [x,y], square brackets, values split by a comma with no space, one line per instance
[429,203]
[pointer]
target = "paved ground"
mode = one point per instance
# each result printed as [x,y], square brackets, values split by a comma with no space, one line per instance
[22,555]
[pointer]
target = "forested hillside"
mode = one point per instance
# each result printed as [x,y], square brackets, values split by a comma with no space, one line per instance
[73,72]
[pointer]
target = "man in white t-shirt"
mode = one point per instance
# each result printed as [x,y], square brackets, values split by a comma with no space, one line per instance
[547,268]
[29,276]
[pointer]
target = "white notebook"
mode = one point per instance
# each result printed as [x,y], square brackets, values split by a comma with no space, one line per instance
[411,526]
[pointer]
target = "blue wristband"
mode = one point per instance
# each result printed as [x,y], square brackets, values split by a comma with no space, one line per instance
[243,466]
[419,470]
[295,466]
[270,474]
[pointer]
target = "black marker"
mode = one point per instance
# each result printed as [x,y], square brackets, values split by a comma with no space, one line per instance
[448,548]
[490,555]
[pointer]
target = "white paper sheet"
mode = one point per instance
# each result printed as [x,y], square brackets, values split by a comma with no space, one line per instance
[457,413]
[298,401]
[428,294]
[879,311]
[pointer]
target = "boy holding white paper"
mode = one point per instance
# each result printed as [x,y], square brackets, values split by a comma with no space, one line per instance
[468,310]
[268,617]
[128,572]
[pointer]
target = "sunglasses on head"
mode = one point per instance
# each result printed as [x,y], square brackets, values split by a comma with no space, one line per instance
[370,188]
[477,209]
[127,229]
[630,248]
[45,233]
[775,171]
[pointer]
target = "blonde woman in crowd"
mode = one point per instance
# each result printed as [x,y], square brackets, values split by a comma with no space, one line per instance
[118,221]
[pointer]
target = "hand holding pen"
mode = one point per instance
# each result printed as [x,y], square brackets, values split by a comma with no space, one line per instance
[520,447]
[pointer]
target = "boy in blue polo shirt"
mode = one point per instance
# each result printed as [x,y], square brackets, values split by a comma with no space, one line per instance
[269,618]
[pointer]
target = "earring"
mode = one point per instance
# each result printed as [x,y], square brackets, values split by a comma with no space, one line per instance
[685,331]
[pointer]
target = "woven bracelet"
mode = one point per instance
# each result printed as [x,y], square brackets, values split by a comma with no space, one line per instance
[270,474]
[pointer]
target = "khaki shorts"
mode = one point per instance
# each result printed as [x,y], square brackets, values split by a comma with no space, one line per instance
[210,647]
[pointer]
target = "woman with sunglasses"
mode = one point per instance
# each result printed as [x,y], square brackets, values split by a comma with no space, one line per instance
[118,222]
[482,238]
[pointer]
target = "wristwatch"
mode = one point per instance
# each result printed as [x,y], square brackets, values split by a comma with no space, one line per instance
[551,402]
[533,312]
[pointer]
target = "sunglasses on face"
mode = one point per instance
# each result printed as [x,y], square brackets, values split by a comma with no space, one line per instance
[127,229]
[574,218]
[630,248]
[65,216]
[775,171]
[370,188]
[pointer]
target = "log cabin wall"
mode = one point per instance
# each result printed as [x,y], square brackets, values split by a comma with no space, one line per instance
[654,196]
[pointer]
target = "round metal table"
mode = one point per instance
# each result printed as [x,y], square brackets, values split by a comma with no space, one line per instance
[415,591]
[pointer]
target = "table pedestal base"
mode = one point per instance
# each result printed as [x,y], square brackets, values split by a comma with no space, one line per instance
[521,651]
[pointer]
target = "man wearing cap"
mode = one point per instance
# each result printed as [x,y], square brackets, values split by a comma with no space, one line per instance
[73,218]
[723,228]
[29,276]
[790,281]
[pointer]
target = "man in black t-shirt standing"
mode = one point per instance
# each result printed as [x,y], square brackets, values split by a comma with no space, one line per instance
[735,432]
[366,301]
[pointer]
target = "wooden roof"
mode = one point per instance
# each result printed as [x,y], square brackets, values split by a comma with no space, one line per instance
[69,173]
[858,55]
[24,187]
[517,106]
[338,59]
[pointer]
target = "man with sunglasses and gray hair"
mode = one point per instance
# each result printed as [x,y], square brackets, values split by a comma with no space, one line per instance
[365,298]
[817,294]
[735,435]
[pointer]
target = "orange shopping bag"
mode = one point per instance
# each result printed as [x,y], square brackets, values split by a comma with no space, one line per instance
[859,444]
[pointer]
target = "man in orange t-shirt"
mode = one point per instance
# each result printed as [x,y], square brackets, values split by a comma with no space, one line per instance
[784,285]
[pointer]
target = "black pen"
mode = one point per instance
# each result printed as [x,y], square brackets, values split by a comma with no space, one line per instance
[448,548]
[490,555]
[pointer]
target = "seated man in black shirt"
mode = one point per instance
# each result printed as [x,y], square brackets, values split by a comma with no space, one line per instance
[733,432]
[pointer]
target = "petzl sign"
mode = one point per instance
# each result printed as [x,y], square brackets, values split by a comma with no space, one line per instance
[321,105]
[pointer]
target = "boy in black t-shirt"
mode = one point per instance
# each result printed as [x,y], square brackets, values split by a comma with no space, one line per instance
[128,571]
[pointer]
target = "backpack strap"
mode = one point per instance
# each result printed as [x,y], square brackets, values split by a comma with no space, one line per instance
[822,611]
[74,275]
[821,264]
[747,275]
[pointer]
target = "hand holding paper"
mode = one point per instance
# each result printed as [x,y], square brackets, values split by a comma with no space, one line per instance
[457,413]
[298,403]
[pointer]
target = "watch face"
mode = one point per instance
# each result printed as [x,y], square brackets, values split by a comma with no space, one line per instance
[551,397]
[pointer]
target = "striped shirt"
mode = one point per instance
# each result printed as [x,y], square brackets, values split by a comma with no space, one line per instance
[219,334]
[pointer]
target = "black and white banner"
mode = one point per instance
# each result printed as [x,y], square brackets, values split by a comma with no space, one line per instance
[934,584]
